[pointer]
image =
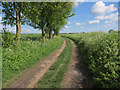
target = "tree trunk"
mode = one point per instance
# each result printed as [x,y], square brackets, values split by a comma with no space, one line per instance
[18,30]
[50,34]
[57,33]
[43,35]
[18,21]
[54,33]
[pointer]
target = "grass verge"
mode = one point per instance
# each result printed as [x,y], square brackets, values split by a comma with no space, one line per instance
[55,75]
[28,52]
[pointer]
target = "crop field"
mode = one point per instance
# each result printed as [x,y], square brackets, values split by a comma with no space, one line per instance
[100,51]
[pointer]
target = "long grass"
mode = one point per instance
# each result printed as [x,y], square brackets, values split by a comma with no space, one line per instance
[28,52]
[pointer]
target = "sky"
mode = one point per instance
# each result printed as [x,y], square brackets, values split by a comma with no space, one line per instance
[89,17]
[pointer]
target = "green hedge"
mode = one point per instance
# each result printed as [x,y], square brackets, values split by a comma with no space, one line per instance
[100,51]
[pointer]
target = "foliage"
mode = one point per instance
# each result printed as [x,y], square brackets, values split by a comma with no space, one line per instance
[47,16]
[8,39]
[111,31]
[56,73]
[10,12]
[13,15]
[28,52]
[100,51]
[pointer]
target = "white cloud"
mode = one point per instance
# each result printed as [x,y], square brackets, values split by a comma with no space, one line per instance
[108,25]
[112,18]
[75,4]
[99,8]
[100,17]
[0,18]
[67,27]
[78,24]
[68,22]
[108,22]
[82,1]
[28,30]
[35,30]
[94,21]
[25,30]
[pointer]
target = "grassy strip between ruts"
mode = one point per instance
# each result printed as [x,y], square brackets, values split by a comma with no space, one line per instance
[27,54]
[55,75]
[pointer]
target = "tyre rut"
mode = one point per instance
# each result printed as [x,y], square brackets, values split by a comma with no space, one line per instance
[78,75]
[31,77]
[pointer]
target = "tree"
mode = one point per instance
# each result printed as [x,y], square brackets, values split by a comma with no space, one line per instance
[58,12]
[13,15]
[59,26]
[47,16]
[35,14]
[111,31]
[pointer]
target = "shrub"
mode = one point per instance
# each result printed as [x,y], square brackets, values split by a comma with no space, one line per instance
[8,38]
[100,51]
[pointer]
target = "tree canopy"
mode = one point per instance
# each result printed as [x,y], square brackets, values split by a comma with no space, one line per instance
[13,15]
[45,16]
[48,16]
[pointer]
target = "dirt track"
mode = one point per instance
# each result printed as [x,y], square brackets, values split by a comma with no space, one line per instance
[32,76]
[77,75]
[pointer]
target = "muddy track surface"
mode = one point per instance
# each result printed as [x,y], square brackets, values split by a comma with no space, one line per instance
[77,75]
[31,77]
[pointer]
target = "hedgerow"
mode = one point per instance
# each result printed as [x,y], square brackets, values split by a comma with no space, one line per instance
[100,51]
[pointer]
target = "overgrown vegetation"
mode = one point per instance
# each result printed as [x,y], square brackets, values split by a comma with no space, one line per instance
[27,53]
[100,51]
[55,75]
[8,39]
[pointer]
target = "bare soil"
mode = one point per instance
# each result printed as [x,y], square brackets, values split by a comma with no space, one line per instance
[78,75]
[31,77]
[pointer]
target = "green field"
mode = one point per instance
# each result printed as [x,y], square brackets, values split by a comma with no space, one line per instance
[100,51]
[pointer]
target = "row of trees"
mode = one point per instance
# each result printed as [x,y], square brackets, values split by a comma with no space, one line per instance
[46,16]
